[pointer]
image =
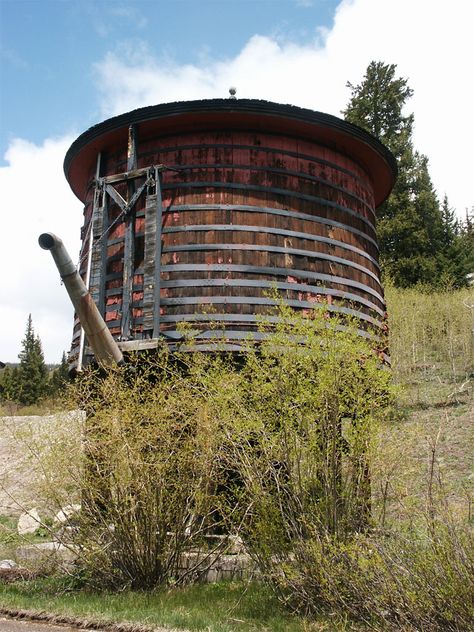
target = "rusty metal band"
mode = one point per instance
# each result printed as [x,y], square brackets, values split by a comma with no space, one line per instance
[273,249]
[258,209]
[250,300]
[303,274]
[224,347]
[196,345]
[201,340]
[287,172]
[295,287]
[243,319]
[247,300]
[246,335]
[184,228]
[275,190]
[285,272]
[271,211]
[272,150]
[208,348]
[225,334]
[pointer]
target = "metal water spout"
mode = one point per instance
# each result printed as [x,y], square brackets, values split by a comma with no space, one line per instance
[100,339]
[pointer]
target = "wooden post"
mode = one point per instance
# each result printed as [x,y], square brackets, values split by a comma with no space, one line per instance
[129,246]
[157,281]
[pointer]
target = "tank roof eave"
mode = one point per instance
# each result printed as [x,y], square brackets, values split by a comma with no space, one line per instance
[273,117]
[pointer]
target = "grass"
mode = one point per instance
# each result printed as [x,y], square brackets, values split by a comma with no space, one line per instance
[45,407]
[432,347]
[7,523]
[429,422]
[220,607]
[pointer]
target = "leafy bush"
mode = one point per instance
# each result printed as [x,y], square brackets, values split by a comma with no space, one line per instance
[416,581]
[300,429]
[150,475]
[179,446]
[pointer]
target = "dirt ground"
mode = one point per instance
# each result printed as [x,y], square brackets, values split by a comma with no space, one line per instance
[13,625]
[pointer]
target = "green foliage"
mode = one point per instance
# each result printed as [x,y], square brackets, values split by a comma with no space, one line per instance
[431,334]
[27,383]
[10,384]
[409,582]
[300,417]
[412,229]
[184,445]
[413,570]
[300,426]
[8,533]
[454,255]
[377,105]
[59,378]
[150,475]
[466,239]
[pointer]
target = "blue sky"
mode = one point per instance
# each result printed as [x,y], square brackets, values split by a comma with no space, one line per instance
[68,64]
[49,48]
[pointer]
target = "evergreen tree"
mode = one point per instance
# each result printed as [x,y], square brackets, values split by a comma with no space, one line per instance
[32,372]
[376,105]
[9,385]
[466,239]
[60,377]
[410,223]
[455,255]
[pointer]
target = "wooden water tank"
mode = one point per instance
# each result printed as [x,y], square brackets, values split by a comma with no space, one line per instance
[195,210]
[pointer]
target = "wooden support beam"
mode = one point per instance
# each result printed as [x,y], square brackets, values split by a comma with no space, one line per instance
[128,175]
[158,247]
[97,227]
[129,246]
[103,254]
[116,197]
[92,271]
[149,264]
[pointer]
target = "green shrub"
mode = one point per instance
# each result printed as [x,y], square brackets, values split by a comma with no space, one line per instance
[179,446]
[416,581]
[150,475]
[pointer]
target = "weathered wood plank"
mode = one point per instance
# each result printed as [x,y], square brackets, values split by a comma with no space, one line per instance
[158,246]
[129,246]
[149,262]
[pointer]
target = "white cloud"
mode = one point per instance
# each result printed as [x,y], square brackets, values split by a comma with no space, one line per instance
[36,198]
[429,41]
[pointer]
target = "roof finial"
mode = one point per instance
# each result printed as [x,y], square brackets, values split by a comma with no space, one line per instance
[232,92]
